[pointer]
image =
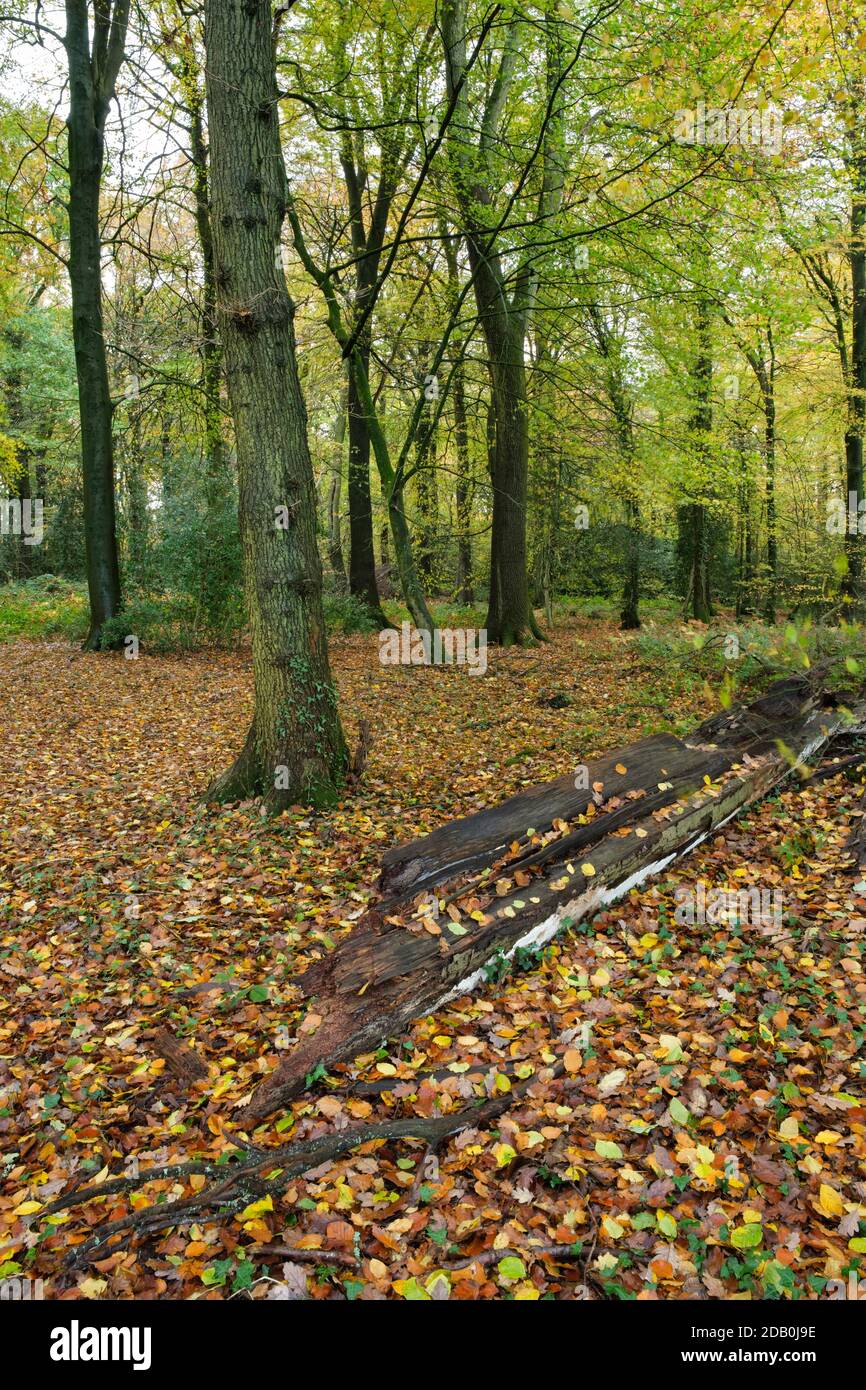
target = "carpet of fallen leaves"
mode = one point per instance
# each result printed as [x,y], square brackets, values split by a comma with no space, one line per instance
[706,1138]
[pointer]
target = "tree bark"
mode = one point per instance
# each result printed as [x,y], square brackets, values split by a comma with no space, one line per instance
[362,558]
[335,496]
[857,388]
[463,485]
[94,61]
[294,750]
[699,602]
[503,320]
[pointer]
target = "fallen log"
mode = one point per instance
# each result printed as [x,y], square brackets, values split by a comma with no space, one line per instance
[465,845]
[391,970]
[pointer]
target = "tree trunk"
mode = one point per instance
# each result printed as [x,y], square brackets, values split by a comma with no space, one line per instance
[294,750]
[91,88]
[503,318]
[428,499]
[362,558]
[335,494]
[853,587]
[463,494]
[385,974]
[699,603]
[510,618]
[463,485]
[770,496]
[630,615]
[24,563]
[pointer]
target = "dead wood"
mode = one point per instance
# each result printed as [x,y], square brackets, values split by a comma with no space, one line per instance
[183,1061]
[384,975]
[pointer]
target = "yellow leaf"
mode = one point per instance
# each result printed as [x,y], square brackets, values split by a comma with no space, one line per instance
[621,769]
[588,870]
[830,1202]
[93,1288]
[256,1209]
[27,1208]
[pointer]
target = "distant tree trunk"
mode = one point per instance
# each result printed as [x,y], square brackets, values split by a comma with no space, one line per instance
[211,350]
[362,558]
[630,615]
[218,579]
[94,48]
[623,410]
[503,318]
[770,494]
[463,485]
[510,618]
[136,499]
[24,563]
[294,750]
[428,498]
[745,538]
[762,360]
[335,495]
[463,494]
[698,600]
[853,586]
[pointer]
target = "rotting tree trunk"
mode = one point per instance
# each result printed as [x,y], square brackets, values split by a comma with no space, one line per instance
[385,975]
[294,750]
[94,48]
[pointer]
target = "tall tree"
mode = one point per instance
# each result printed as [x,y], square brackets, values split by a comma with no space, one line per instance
[503,313]
[95,41]
[294,749]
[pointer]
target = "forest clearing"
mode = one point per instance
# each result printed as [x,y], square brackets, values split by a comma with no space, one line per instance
[432,664]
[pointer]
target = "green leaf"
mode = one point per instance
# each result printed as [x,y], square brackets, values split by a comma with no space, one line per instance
[678,1112]
[747,1237]
[606,1148]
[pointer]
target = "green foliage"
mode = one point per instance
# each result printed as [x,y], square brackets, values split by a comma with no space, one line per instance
[44,606]
[346,613]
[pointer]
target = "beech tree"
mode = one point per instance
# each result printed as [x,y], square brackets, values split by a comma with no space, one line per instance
[294,751]
[95,40]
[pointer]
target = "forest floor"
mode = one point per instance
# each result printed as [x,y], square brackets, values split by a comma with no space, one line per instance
[710,1141]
